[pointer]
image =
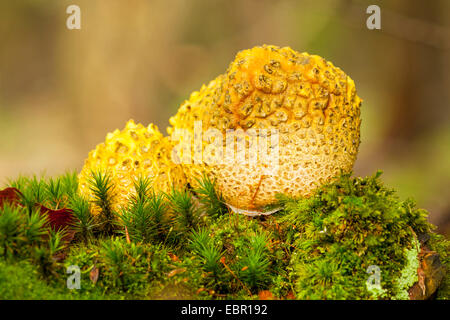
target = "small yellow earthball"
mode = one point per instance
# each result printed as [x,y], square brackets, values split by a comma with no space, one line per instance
[128,154]
[301,106]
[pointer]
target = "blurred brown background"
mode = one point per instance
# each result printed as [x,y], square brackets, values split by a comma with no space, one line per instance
[62,90]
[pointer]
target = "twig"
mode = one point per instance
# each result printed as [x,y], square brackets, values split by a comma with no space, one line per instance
[222,260]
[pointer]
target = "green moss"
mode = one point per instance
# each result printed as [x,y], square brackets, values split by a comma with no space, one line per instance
[409,274]
[22,281]
[377,292]
[315,248]
[343,229]
[130,268]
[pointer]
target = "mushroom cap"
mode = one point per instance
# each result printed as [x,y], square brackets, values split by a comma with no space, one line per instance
[128,154]
[307,104]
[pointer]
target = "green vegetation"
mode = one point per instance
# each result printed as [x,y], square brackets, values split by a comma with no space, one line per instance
[186,244]
[103,190]
[343,229]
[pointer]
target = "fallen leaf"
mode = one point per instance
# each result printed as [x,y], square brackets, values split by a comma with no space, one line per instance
[11,195]
[93,275]
[430,273]
[58,219]
[176,271]
[265,295]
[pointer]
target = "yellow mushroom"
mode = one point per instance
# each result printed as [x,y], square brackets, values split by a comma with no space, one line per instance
[125,155]
[306,104]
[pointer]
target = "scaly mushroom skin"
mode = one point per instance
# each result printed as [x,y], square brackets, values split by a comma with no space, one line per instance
[126,155]
[310,103]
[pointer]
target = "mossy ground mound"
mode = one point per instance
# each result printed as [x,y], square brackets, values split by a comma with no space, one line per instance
[176,245]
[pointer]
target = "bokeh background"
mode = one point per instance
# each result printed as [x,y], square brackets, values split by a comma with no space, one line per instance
[62,90]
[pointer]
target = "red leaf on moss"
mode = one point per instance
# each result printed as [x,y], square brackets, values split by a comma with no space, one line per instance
[58,219]
[11,195]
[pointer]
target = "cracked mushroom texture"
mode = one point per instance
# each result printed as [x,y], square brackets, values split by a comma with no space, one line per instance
[312,105]
[128,154]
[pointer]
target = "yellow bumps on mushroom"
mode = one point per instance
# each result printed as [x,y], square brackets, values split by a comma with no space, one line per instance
[304,102]
[128,154]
